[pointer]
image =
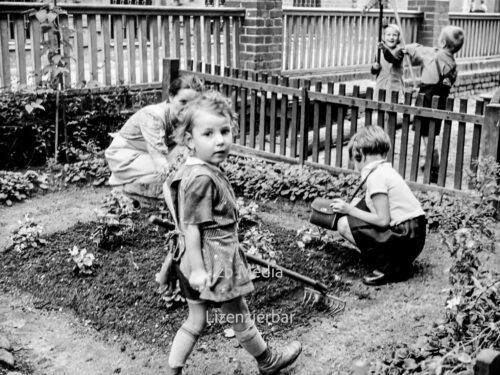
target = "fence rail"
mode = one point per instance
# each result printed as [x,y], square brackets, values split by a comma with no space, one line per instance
[116,44]
[482,34]
[291,120]
[331,38]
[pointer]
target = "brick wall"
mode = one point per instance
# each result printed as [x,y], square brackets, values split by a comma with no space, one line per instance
[261,39]
[435,18]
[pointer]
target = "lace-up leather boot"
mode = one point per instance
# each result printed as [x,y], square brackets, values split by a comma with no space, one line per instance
[271,362]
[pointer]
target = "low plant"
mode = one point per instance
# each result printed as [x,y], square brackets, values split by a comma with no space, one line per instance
[115,220]
[257,179]
[472,320]
[317,238]
[84,261]
[90,167]
[28,235]
[16,186]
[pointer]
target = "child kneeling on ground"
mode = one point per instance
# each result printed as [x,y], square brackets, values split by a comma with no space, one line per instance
[212,267]
[388,226]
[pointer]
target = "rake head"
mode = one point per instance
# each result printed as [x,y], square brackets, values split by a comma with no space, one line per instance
[333,305]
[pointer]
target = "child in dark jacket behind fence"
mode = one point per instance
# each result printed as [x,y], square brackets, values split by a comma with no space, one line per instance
[212,267]
[439,73]
[388,226]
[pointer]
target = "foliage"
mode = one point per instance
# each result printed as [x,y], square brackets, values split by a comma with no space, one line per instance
[317,238]
[259,242]
[27,126]
[92,167]
[28,235]
[16,186]
[472,318]
[115,218]
[84,261]
[48,17]
[257,179]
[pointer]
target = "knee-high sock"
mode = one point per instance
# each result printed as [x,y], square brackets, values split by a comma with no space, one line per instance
[182,346]
[251,339]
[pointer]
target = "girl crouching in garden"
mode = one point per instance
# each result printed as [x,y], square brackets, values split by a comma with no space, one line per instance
[389,225]
[212,267]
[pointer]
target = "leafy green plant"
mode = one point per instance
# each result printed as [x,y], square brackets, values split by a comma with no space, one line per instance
[16,186]
[27,126]
[472,318]
[115,218]
[92,167]
[84,261]
[316,238]
[28,235]
[258,179]
[48,17]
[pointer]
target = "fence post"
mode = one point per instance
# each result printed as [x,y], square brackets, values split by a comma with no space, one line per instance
[170,72]
[490,138]
[491,130]
[487,362]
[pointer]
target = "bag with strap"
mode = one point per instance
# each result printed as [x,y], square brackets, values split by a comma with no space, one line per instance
[322,213]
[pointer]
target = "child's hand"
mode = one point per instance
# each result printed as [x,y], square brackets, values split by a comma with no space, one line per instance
[375,68]
[381,45]
[340,206]
[198,279]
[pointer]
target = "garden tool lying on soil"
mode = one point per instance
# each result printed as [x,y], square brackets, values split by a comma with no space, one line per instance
[315,294]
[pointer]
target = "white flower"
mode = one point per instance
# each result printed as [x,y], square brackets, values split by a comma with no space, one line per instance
[453,302]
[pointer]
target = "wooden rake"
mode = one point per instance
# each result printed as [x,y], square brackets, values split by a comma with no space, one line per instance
[315,293]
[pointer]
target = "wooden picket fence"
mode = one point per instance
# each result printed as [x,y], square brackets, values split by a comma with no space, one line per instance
[482,31]
[114,44]
[316,40]
[291,121]
[322,38]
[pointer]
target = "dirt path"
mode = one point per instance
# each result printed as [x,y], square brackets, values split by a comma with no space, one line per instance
[56,342]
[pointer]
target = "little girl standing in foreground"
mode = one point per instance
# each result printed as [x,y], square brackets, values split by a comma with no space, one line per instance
[212,267]
[389,225]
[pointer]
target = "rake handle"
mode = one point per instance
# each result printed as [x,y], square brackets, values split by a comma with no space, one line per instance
[289,273]
[260,262]
[161,223]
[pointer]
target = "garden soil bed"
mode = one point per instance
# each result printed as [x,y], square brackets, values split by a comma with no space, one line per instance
[115,321]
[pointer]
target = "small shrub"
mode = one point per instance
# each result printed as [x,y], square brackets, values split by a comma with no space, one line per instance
[115,220]
[84,261]
[28,235]
[317,238]
[257,179]
[90,167]
[16,186]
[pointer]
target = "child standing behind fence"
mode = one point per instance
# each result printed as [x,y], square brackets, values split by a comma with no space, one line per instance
[439,73]
[212,267]
[389,73]
[388,226]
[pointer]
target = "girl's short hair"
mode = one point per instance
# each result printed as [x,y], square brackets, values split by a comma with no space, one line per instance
[370,140]
[210,101]
[185,82]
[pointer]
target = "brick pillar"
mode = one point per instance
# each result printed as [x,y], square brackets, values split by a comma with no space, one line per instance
[435,18]
[261,40]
